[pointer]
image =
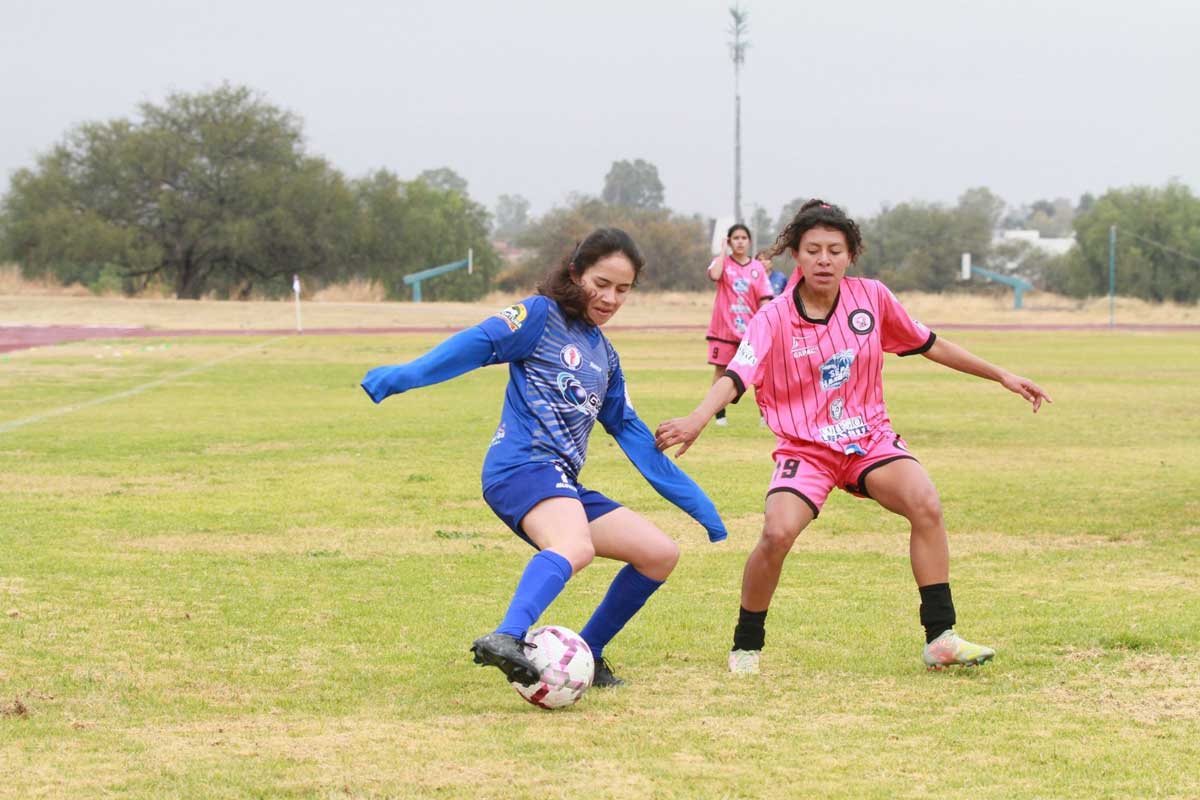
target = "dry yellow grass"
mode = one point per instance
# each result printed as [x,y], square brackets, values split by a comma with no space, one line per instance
[330,310]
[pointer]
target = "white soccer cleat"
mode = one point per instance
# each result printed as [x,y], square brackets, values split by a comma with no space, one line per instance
[744,662]
[722,421]
[950,649]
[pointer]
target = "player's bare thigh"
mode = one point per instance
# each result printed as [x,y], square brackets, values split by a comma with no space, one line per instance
[625,535]
[560,524]
[787,515]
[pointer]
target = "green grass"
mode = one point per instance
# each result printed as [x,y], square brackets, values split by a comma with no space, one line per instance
[251,582]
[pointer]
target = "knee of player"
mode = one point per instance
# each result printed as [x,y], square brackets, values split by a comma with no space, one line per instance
[777,536]
[580,555]
[666,556]
[925,507]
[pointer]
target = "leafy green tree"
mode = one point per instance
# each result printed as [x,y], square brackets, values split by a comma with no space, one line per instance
[206,192]
[444,179]
[675,246]
[411,226]
[633,184]
[1158,245]
[512,216]
[920,245]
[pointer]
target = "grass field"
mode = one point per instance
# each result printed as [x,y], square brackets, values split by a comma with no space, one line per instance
[248,581]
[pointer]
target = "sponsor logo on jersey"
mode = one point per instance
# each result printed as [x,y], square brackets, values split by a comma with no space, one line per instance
[740,324]
[498,436]
[513,316]
[595,366]
[836,407]
[799,348]
[835,370]
[745,355]
[570,356]
[580,398]
[740,307]
[741,285]
[563,481]
[845,429]
[861,321]
[853,450]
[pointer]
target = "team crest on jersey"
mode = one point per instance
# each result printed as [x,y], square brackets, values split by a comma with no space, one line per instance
[570,356]
[835,371]
[745,355]
[580,398]
[754,274]
[861,321]
[836,408]
[741,285]
[799,348]
[513,316]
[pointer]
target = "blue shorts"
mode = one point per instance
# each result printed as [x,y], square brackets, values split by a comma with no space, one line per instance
[514,495]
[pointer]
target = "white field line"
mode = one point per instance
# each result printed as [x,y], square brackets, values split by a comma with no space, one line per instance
[5,427]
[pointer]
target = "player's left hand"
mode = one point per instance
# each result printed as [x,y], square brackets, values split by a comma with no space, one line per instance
[1026,388]
[682,431]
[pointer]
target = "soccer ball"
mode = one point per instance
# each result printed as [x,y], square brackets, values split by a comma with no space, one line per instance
[566,665]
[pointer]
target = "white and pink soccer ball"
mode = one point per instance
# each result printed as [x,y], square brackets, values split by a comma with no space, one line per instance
[566,665]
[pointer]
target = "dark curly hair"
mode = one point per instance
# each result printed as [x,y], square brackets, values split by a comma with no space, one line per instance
[559,284]
[816,213]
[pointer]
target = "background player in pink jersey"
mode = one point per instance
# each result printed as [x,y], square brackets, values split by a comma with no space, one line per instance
[815,358]
[742,288]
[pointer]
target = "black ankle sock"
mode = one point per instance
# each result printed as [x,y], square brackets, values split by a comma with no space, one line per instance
[721,414]
[937,610]
[750,632]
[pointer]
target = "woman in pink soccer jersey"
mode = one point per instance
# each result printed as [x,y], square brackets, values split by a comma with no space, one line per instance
[742,288]
[815,358]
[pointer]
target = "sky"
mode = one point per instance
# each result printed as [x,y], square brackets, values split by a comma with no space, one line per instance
[865,103]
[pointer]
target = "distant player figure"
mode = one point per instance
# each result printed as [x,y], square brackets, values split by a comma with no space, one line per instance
[777,279]
[564,375]
[815,358]
[742,288]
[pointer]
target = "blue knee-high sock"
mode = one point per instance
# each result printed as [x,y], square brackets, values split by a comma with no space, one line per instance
[544,577]
[626,595]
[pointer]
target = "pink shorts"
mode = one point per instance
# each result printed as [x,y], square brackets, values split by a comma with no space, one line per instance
[811,471]
[720,353]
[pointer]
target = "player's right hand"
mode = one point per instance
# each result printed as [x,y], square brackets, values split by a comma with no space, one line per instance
[680,431]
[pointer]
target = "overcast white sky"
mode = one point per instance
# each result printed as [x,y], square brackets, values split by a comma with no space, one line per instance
[863,102]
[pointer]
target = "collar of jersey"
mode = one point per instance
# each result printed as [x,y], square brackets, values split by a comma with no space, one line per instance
[799,304]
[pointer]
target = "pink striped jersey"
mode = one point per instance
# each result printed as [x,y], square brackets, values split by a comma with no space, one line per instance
[821,380]
[741,291]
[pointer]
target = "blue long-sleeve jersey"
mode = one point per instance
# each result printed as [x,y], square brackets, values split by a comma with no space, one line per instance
[564,375]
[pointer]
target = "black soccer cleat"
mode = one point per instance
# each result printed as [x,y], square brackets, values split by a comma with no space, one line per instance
[603,678]
[508,654]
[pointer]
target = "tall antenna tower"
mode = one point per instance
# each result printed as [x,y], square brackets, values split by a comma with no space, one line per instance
[737,51]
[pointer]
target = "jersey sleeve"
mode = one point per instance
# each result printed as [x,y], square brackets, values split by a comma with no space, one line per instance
[763,289]
[898,332]
[514,331]
[637,442]
[510,335]
[746,368]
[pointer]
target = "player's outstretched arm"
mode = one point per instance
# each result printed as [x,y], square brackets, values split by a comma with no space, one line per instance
[959,358]
[685,430]
[461,353]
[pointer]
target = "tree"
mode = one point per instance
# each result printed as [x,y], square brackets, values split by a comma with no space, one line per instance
[1158,245]
[512,216]
[633,184]
[920,245]
[444,179]
[209,191]
[675,246]
[409,227]
[764,229]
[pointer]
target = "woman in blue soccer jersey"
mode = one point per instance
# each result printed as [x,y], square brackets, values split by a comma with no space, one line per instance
[564,375]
